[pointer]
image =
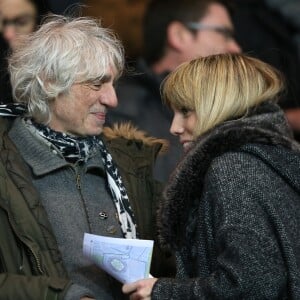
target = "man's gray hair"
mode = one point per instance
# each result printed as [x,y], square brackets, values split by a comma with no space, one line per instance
[63,51]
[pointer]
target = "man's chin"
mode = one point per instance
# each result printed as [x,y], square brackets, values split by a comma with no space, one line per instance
[95,132]
[89,132]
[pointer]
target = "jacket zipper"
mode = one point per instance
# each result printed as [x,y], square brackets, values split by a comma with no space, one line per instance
[37,261]
[35,257]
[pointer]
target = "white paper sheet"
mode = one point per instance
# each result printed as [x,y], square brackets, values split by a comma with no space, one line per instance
[127,260]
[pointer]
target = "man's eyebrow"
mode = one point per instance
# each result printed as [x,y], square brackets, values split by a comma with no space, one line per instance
[105,78]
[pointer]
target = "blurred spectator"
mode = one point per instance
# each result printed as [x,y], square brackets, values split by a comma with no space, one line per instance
[62,6]
[290,10]
[17,17]
[174,31]
[270,30]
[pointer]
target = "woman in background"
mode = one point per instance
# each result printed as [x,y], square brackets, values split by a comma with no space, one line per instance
[231,212]
[17,18]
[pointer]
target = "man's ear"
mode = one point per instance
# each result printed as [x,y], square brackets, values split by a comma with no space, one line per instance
[178,35]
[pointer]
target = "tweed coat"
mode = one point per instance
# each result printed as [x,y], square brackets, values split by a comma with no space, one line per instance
[231,213]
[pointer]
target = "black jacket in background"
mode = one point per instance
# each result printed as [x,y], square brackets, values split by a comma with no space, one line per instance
[265,33]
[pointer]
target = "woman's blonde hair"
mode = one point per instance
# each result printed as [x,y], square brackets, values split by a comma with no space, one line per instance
[221,87]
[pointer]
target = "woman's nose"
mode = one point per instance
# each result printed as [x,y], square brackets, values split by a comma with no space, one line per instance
[176,127]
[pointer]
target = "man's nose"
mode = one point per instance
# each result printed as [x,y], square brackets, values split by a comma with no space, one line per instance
[9,33]
[234,47]
[109,98]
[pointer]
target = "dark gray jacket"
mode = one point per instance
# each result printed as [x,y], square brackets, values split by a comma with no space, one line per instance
[232,213]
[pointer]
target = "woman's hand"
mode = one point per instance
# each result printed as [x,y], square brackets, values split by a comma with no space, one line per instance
[139,290]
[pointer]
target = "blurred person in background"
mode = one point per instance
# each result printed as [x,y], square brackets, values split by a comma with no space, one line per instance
[174,31]
[270,30]
[231,212]
[17,18]
[62,7]
[20,17]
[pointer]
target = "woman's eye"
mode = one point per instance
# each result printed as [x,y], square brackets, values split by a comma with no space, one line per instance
[184,111]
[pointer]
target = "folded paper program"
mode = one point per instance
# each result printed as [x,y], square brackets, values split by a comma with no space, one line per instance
[127,260]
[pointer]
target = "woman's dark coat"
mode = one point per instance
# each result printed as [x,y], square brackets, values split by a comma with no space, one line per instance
[232,213]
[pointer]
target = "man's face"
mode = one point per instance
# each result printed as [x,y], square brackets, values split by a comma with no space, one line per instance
[17,17]
[82,112]
[207,41]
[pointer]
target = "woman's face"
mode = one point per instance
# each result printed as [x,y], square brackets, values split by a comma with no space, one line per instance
[17,18]
[183,125]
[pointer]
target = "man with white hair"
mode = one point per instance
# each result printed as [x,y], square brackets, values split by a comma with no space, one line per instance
[56,158]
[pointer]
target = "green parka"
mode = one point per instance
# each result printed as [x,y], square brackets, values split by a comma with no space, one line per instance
[31,265]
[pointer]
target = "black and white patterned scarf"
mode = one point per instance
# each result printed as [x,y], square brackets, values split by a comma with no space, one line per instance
[12,110]
[76,149]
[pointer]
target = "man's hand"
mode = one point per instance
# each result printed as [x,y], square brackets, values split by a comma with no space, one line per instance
[139,290]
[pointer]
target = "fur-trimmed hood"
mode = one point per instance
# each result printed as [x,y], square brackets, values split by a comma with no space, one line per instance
[266,124]
[123,130]
[130,132]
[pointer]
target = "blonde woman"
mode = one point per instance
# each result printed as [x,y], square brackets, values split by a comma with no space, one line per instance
[231,212]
